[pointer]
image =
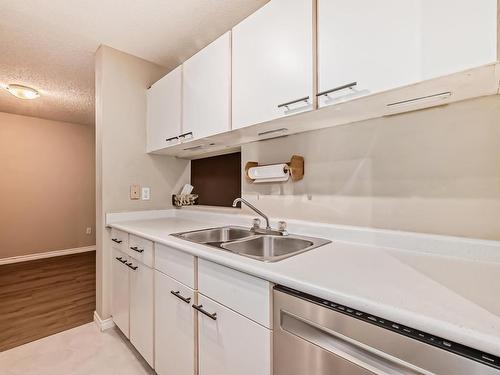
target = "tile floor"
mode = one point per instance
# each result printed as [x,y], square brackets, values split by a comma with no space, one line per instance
[79,351]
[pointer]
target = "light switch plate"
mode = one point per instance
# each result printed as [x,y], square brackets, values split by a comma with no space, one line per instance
[146,194]
[135,191]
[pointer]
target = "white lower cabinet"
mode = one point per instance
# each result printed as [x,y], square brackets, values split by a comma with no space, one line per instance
[141,309]
[120,291]
[231,344]
[175,327]
[132,302]
[180,331]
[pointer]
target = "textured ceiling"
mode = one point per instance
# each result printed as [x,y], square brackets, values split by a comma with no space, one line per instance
[50,44]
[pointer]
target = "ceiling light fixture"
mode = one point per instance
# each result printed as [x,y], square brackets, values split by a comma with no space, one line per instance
[22,92]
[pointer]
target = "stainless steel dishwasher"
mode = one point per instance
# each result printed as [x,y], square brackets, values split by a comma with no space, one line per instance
[317,337]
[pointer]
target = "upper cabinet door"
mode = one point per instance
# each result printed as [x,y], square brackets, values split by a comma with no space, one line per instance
[457,35]
[365,46]
[164,111]
[272,62]
[206,90]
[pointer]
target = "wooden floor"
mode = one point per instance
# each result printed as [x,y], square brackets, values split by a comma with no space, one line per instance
[42,297]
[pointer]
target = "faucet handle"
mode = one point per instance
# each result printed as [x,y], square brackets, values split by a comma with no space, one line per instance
[256,223]
[282,226]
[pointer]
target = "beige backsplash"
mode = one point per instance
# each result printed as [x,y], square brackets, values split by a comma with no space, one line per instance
[433,171]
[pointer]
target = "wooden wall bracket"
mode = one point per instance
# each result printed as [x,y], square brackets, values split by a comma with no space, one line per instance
[295,168]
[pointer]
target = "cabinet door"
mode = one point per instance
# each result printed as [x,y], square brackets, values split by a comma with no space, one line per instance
[174,327]
[272,62]
[120,300]
[141,309]
[206,87]
[457,35]
[163,120]
[231,344]
[366,46]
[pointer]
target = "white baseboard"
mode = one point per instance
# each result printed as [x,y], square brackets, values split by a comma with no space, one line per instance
[103,324]
[47,254]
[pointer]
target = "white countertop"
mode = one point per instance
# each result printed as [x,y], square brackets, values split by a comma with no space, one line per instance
[446,286]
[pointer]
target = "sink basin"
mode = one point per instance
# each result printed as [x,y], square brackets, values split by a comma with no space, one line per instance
[269,248]
[216,235]
[266,247]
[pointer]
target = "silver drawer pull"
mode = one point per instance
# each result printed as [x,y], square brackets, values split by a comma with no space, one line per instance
[304,99]
[200,309]
[116,240]
[339,88]
[185,135]
[135,248]
[178,295]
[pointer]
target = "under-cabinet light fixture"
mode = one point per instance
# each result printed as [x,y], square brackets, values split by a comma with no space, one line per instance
[420,100]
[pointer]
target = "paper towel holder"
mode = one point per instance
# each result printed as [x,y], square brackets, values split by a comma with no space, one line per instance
[295,168]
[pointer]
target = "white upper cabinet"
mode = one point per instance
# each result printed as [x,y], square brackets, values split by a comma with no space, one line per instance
[164,111]
[272,62]
[457,35]
[367,46]
[206,90]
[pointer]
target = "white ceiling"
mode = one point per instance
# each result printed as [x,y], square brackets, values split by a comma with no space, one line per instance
[50,44]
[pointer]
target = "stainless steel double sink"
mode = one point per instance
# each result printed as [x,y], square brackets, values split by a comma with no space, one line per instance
[266,247]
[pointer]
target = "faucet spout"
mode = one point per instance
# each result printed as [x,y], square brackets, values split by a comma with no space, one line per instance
[255,209]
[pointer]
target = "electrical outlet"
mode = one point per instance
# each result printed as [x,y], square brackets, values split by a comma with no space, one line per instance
[134,191]
[146,193]
[88,230]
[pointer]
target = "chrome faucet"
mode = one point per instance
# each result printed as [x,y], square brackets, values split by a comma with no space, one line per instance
[268,227]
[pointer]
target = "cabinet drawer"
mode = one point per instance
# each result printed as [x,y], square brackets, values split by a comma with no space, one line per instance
[119,239]
[231,344]
[141,249]
[176,264]
[248,295]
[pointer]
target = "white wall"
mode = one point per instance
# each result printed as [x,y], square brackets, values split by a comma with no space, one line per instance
[121,159]
[433,171]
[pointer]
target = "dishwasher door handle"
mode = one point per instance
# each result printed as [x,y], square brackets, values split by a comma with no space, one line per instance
[347,348]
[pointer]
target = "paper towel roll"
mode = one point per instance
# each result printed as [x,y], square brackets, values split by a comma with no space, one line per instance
[269,173]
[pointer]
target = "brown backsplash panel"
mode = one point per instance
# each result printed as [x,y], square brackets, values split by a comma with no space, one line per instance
[217,179]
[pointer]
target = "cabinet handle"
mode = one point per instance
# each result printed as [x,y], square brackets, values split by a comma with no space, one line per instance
[171,139]
[178,295]
[200,309]
[186,134]
[304,99]
[131,265]
[348,86]
[120,259]
[135,248]
[116,240]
